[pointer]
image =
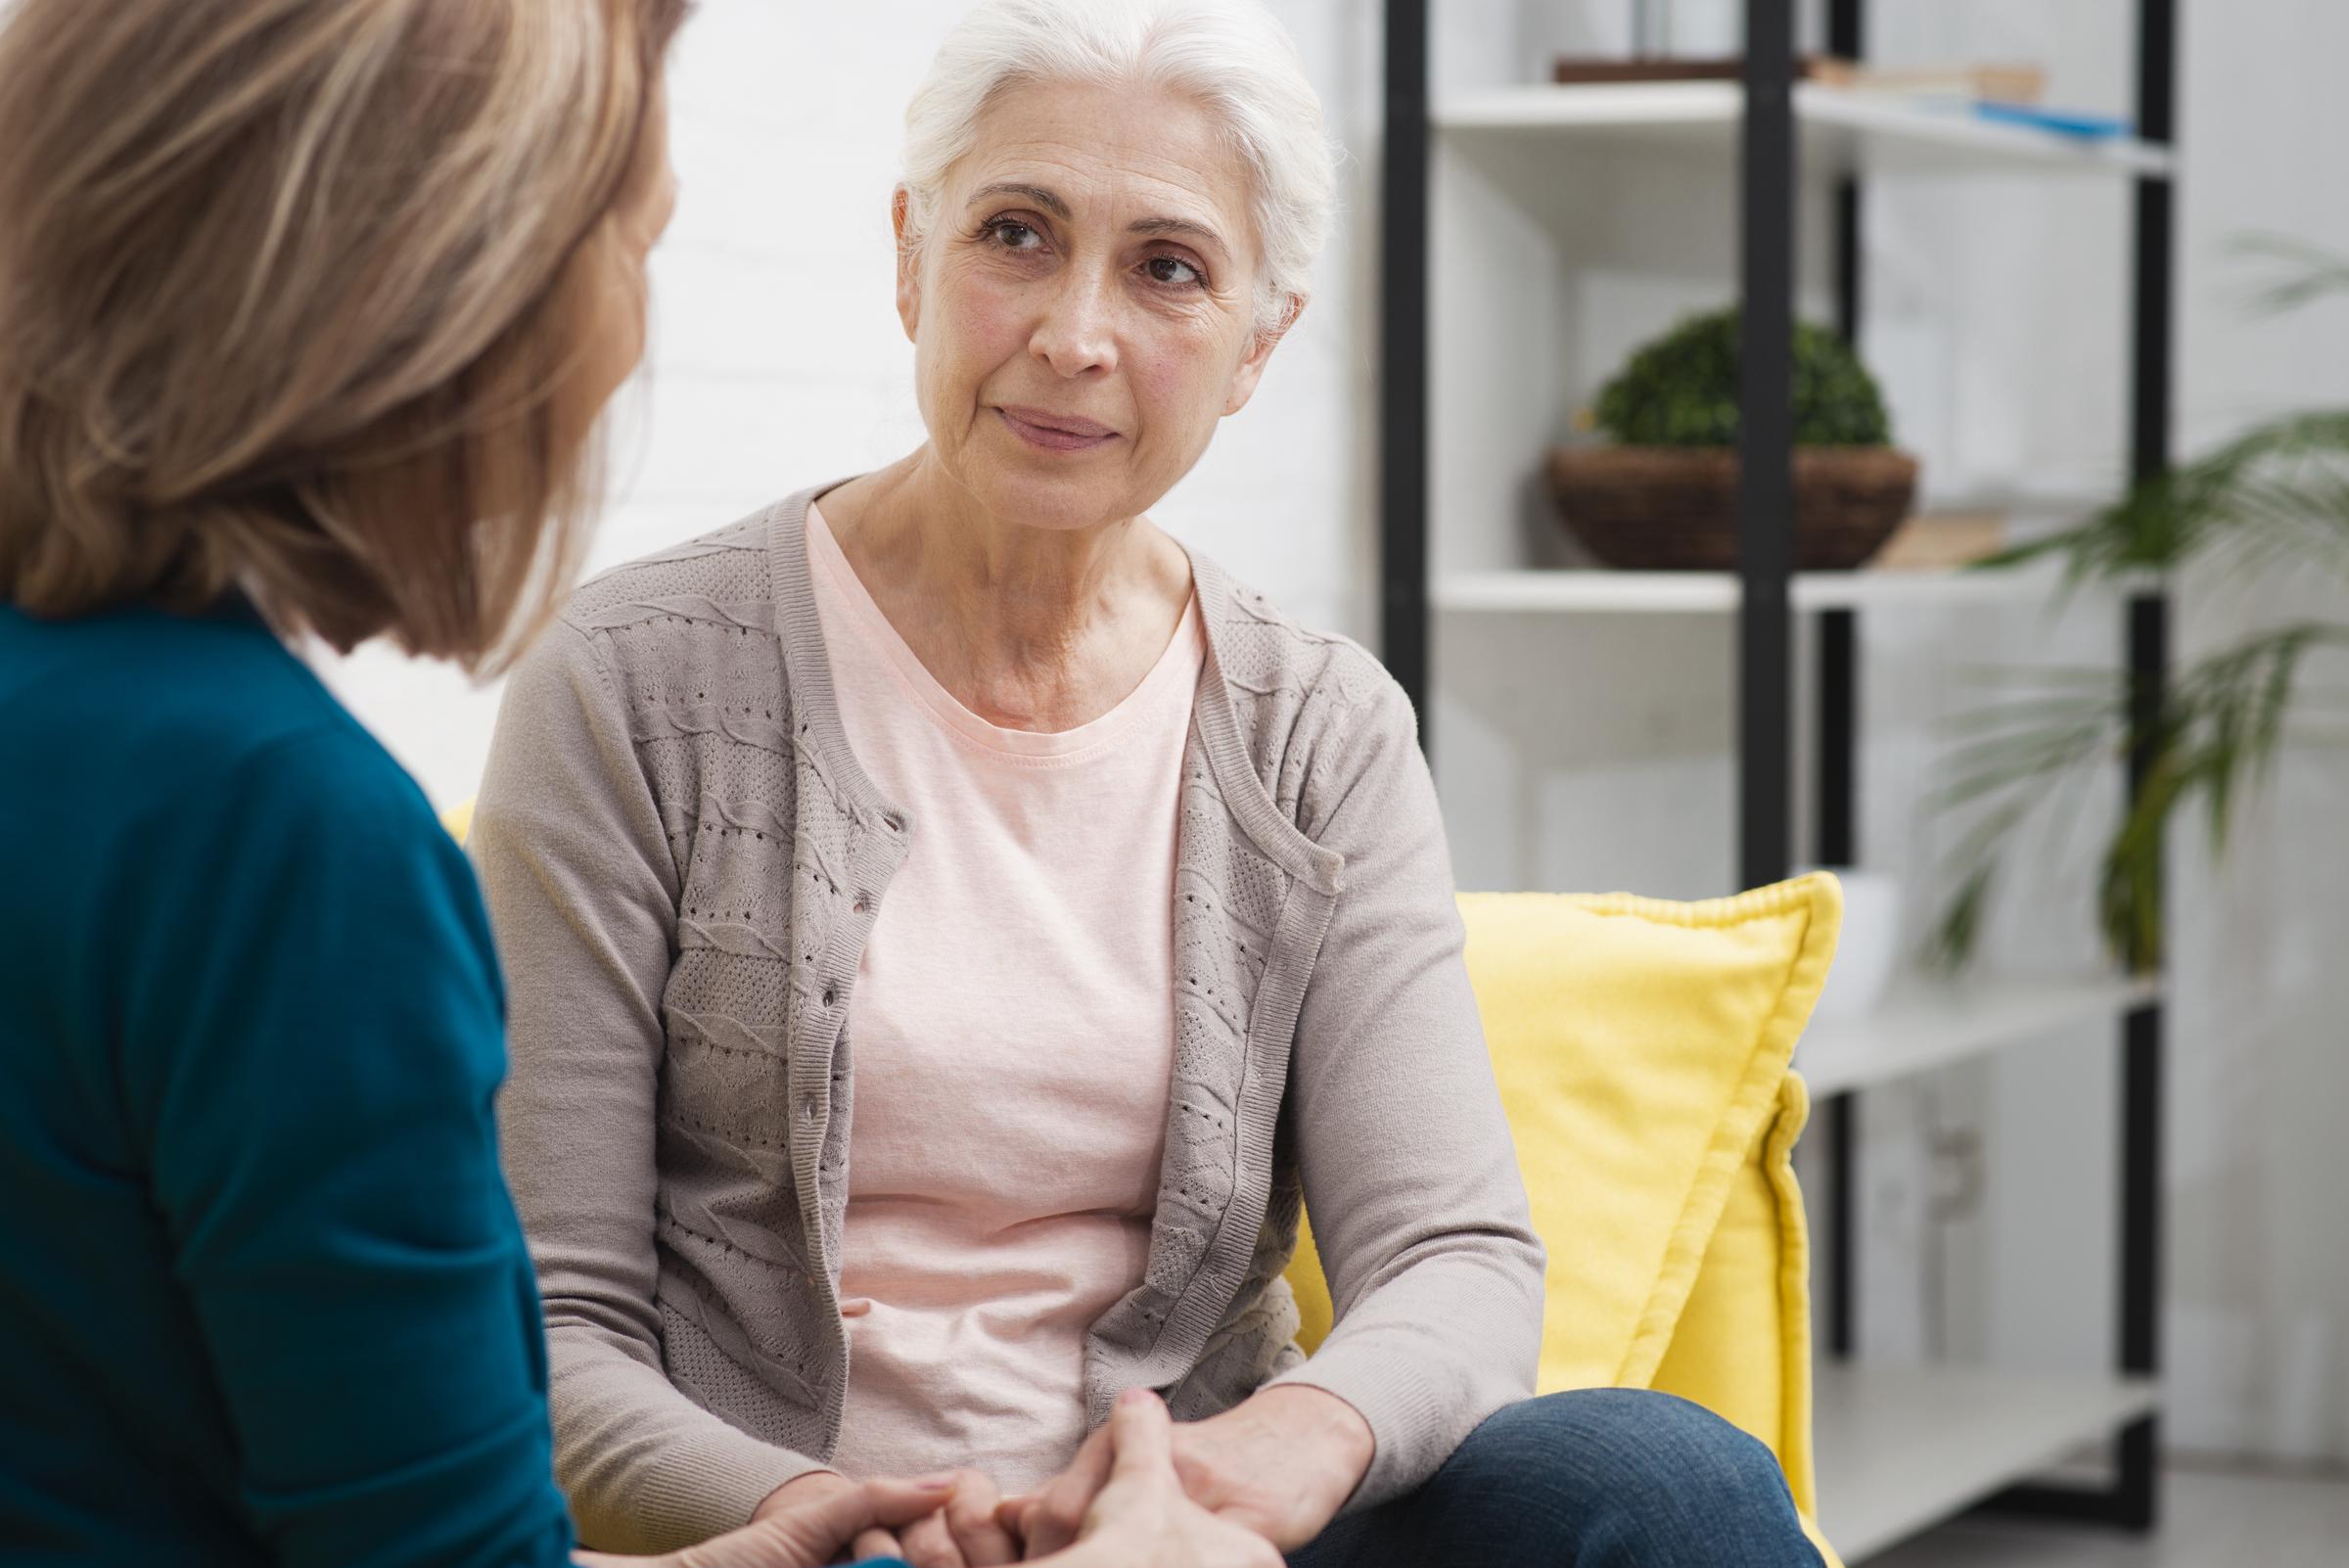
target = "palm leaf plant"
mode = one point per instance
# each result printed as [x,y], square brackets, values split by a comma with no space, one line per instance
[2273,499]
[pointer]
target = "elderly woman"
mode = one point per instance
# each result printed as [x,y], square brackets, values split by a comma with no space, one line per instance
[953,926]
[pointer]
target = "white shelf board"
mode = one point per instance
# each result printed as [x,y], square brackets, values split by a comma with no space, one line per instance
[1533,593]
[1901,1447]
[1926,1023]
[1530,593]
[1842,131]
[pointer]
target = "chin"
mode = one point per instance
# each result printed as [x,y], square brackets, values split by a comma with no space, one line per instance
[1032,494]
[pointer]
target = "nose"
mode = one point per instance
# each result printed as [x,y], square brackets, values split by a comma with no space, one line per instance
[1076,336]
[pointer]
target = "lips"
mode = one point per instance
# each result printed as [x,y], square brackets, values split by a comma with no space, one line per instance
[1055,432]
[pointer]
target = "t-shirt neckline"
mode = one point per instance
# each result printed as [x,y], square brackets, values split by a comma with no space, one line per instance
[1176,671]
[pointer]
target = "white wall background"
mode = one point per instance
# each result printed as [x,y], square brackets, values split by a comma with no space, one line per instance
[1596,755]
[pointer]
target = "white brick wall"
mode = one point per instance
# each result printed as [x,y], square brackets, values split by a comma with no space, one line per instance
[777,359]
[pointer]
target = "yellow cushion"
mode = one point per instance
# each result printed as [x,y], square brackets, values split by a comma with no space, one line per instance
[1742,1348]
[1641,1050]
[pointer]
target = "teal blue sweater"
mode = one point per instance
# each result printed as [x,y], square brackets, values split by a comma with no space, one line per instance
[263,1295]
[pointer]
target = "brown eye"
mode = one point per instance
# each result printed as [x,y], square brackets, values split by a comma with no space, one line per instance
[1013,235]
[1173,270]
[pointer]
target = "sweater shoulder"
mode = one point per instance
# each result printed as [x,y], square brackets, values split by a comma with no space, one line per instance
[1313,705]
[686,639]
[725,573]
[1266,649]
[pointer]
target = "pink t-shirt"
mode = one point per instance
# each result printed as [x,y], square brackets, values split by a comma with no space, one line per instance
[1012,1031]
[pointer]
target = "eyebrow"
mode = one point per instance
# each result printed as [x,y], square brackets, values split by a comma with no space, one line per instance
[1035,192]
[1174,225]
[1051,203]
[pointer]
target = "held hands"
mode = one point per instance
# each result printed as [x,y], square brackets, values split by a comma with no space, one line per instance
[959,1530]
[1280,1464]
[809,1531]
[1231,1491]
[1141,1518]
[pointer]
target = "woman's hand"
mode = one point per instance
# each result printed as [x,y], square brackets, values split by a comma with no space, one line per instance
[808,1529]
[807,1493]
[965,1533]
[1281,1463]
[1140,1517]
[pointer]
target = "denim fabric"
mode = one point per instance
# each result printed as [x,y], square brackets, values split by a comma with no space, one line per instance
[1597,1478]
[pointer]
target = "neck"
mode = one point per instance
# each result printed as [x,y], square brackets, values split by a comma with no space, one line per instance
[1023,623]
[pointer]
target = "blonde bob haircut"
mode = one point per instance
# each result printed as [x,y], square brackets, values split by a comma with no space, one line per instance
[295,298]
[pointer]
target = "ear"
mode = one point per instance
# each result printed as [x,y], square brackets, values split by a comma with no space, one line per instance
[910,265]
[1259,350]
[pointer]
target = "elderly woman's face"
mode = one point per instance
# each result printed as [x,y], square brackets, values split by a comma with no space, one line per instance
[1084,308]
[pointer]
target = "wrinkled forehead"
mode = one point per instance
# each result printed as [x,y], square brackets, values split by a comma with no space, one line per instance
[1114,155]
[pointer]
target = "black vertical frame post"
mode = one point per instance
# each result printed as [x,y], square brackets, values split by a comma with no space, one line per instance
[2137,1488]
[1847,39]
[1838,770]
[2138,1500]
[1403,358]
[1839,844]
[1766,445]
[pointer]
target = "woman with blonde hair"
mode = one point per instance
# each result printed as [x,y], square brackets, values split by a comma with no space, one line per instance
[308,312]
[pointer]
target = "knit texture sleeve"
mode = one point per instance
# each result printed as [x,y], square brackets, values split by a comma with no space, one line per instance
[1410,1173]
[583,889]
[309,1041]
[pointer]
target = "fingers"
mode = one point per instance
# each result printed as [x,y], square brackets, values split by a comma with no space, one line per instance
[929,1544]
[972,1519]
[1051,1518]
[875,1544]
[814,1526]
[1141,1436]
[898,1504]
[848,1514]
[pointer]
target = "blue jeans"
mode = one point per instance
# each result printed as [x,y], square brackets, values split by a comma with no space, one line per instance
[1597,1478]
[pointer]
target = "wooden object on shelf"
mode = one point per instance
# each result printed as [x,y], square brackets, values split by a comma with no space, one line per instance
[1674,509]
[1986,84]
[1943,541]
[1594,70]
[1990,83]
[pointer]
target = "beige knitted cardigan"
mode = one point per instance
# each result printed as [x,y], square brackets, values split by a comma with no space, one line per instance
[684,860]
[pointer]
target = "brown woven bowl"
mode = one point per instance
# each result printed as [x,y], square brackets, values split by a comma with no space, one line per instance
[1674,509]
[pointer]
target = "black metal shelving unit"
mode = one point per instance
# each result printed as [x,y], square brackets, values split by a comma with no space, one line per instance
[1765,674]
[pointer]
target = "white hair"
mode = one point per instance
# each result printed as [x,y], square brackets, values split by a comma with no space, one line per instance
[1229,54]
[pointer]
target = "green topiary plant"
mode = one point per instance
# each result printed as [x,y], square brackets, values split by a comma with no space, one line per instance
[1682,389]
